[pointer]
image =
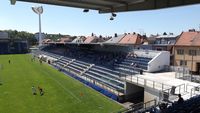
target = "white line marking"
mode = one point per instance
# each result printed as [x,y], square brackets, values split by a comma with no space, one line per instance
[63,87]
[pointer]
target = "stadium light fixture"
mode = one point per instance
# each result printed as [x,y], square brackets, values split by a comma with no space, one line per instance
[12,2]
[39,10]
[114,14]
[111,18]
[85,10]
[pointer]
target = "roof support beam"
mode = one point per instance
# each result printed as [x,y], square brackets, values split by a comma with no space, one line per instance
[118,2]
[68,4]
[108,6]
[87,2]
[123,3]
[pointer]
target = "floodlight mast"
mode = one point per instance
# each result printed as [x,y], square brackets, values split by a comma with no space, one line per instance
[39,10]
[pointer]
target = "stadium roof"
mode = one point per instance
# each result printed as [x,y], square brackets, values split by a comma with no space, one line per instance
[107,6]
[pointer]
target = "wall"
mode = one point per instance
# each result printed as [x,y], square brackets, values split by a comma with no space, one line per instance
[150,95]
[134,93]
[187,57]
[146,53]
[3,35]
[141,94]
[159,62]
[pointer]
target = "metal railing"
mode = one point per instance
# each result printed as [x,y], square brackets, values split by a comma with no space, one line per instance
[170,90]
[183,76]
[181,89]
[67,63]
[146,83]
[142,106]
[180,69]
[194,90]
[168,94]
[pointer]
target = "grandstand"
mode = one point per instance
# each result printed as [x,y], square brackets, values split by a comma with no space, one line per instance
[13,46]
[120,72]
[104,66]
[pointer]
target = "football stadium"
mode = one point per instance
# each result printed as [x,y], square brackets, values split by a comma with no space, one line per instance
[118,74]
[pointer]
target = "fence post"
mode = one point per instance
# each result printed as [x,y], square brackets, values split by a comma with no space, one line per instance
[131,78]
[155,102]
[184,87]
[176,75]
[199,88]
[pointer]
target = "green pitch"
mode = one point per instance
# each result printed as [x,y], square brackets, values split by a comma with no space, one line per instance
[62,94]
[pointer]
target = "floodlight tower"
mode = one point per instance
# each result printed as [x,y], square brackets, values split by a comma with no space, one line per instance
[39,10]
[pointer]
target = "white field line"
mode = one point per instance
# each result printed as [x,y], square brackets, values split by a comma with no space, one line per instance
[64,88]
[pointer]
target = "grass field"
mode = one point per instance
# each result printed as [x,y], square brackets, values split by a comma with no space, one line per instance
[62,93]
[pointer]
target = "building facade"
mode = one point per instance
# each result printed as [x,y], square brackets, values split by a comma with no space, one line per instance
[164,42]
[12,46]
[3,35]
[187,51]
[37,36]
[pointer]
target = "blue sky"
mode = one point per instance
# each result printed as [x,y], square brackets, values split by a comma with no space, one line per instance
[73,21]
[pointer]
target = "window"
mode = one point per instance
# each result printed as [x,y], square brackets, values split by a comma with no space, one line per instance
[183,63]
[180,51]
[193,52]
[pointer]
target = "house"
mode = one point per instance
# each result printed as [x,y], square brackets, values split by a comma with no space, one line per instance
[133,39]
[91,39]
[65,40]
[79,39]
[187,51]
[115,39]
[42,36]
[164,42]
[46,41]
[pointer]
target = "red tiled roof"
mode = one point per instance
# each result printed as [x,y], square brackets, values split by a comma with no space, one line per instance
[63,40]
[89,39]
[131,39]
[46,40]
[188,39]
